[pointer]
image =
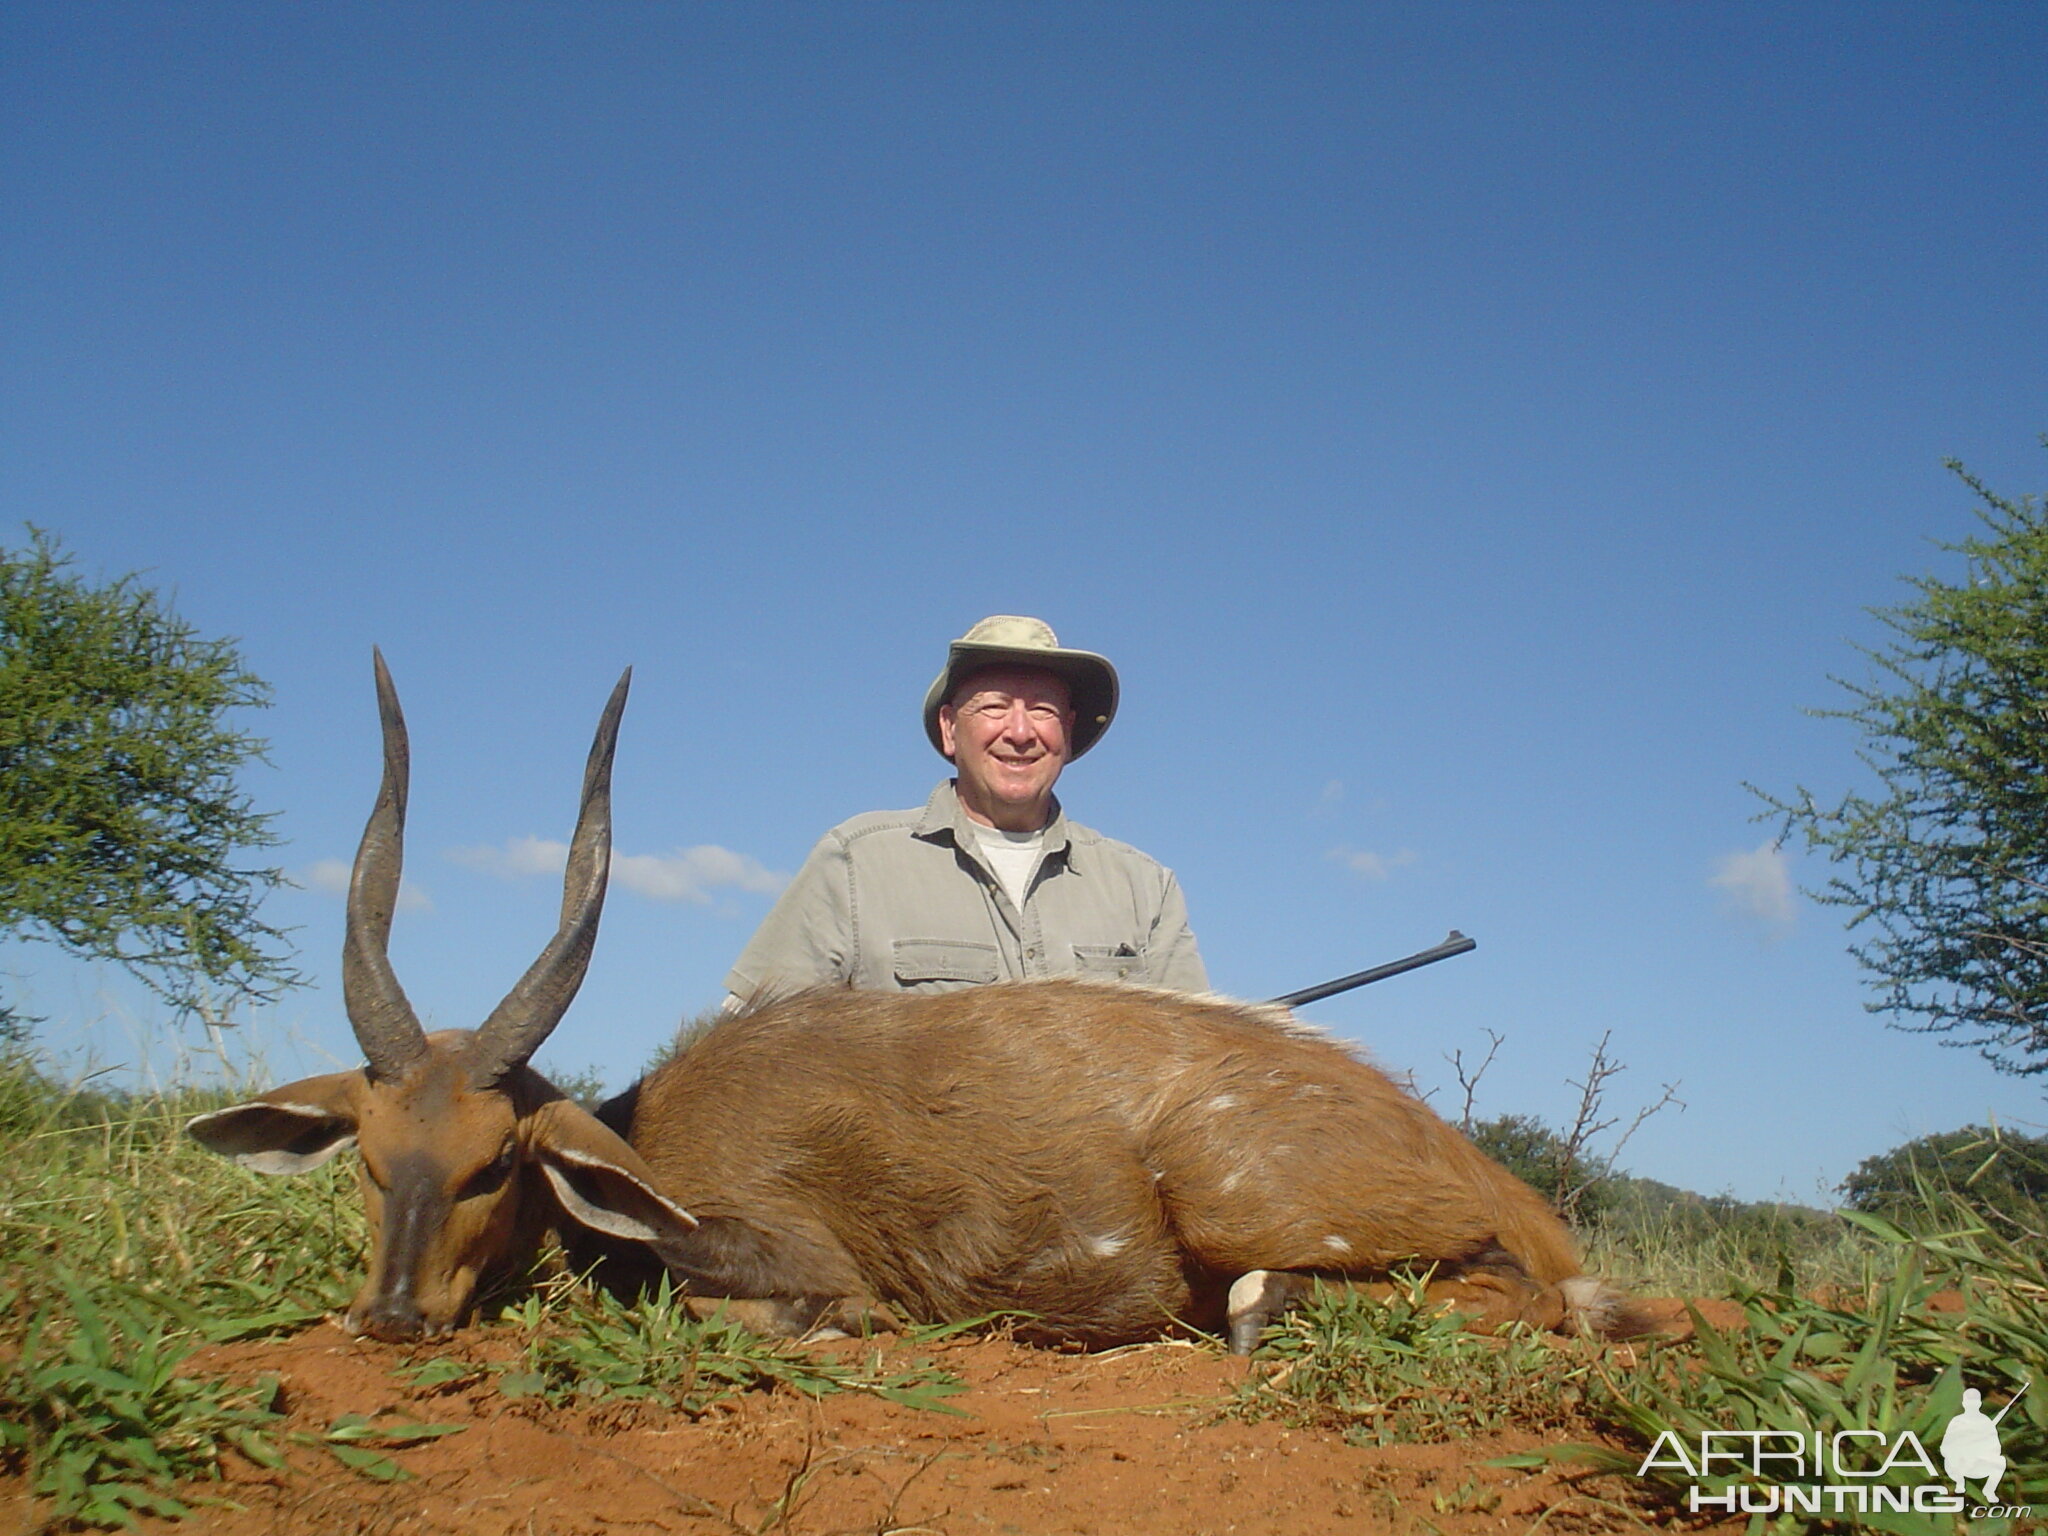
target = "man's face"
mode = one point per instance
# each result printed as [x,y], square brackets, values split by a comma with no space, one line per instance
[1007,730]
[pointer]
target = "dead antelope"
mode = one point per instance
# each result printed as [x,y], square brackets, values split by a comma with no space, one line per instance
[1110,1162]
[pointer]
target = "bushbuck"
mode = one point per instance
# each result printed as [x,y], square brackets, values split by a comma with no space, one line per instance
[1102,1162]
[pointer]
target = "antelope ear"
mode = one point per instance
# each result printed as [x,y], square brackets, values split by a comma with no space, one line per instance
[599,1180]
[292,1129]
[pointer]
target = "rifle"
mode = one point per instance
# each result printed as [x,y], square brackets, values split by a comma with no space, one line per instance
[1455,944]
[2011,1400]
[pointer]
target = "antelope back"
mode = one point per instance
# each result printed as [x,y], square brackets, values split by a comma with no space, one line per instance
[1104,1156]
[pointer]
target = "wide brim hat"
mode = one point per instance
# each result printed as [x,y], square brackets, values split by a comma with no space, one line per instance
[1010,640]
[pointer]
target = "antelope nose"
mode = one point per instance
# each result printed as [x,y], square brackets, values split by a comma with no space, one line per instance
[393,1319]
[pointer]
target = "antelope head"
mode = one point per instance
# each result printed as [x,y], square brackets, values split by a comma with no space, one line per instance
[467,1153]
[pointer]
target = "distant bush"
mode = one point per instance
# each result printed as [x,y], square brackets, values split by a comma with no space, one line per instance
[2005,1175]
[1542,1158]
[584,1086]
[1663,1235]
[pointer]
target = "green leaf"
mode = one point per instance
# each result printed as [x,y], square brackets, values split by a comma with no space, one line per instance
[123,828]
[926,1397]
[1938,856]
[368,1463]
[438,1372]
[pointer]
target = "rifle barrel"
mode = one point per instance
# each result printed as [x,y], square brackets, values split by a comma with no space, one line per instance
[1455,944]
[2013,1399]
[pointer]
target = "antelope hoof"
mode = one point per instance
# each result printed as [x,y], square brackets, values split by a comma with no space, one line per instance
[1256,1298]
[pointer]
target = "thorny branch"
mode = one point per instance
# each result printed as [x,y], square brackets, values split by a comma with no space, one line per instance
[1587,1123]
[1468,1084]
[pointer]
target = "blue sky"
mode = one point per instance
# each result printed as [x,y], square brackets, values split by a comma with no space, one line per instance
[1475,431]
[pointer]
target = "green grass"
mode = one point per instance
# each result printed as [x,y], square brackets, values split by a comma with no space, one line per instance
[1873,1353]
[1397,1371]
[124,1248]
[109,1187]
[1877,1360]
[1711,1248]
[1666,1241]
[583,1345]
[92,1404]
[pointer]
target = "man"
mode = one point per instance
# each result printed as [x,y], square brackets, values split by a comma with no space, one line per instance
[989,881]
[1969,1446]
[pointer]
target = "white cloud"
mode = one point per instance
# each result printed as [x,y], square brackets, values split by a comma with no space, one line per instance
[692,874]
[1332,793]
[1369,865]
[687,874]
[520,857]
[1758,884]
[331,876]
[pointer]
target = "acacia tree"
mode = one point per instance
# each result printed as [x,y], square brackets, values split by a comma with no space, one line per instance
[1945,865]
[122,826]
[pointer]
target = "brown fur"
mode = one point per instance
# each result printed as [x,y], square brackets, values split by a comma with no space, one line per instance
[1108,1159]
[450,1173]
[1102,1160]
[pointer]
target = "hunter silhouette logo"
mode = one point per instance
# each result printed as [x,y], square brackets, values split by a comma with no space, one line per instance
[1969,1446]
[1851,1471]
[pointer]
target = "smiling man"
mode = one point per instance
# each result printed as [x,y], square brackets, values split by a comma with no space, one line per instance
[989,881]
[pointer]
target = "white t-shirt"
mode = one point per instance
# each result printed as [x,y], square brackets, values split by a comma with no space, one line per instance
[1013,856]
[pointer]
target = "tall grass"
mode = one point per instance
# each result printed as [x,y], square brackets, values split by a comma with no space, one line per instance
[1878,1331]
[1712,1247]
[107,1186]
[123,1247]
[1885,1358]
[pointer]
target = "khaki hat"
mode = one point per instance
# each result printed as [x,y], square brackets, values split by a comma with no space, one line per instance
[1008,640]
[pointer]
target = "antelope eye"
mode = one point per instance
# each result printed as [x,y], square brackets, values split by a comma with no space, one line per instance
[492,1175]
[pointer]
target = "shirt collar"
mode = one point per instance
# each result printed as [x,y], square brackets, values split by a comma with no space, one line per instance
[946,818]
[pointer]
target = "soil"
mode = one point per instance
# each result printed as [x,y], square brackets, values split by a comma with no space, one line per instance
[1125,1443]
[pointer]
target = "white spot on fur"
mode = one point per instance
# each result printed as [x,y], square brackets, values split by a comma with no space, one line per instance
[1221,1102]
[1231,1180]
[1336,1244]
[1105,1247]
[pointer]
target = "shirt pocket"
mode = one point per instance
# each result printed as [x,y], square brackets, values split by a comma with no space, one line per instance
[939,964]
[1109,962]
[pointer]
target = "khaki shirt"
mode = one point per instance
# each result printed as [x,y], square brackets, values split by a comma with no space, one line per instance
[901,901]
